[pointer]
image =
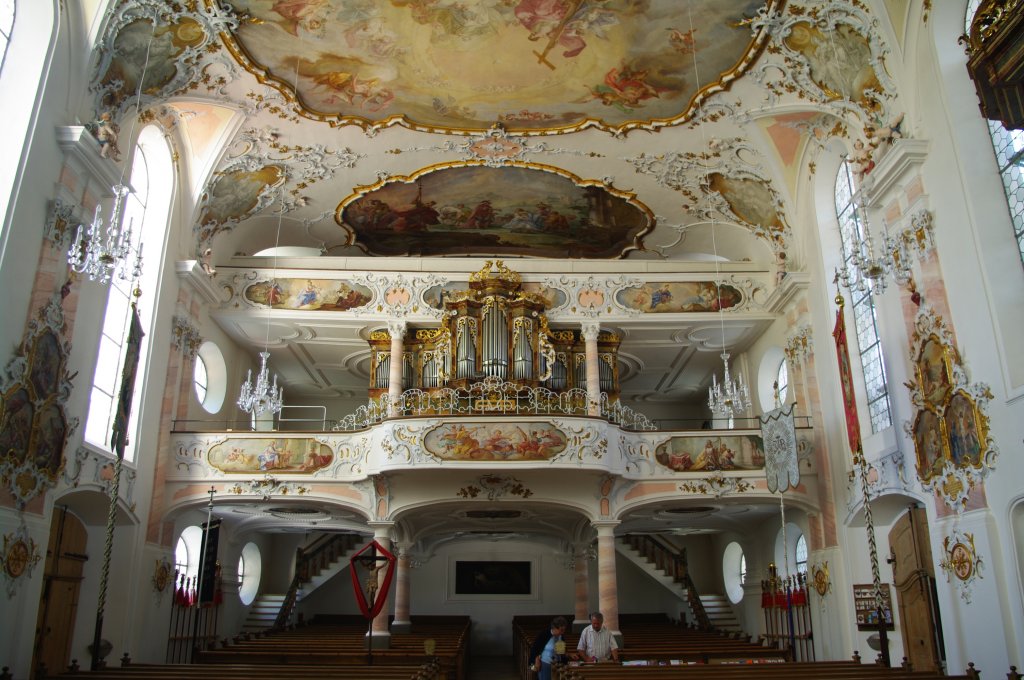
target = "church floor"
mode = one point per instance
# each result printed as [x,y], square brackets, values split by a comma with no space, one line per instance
[492,668]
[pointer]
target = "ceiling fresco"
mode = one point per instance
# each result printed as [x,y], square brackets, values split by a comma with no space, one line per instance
[477,210]
[536,65]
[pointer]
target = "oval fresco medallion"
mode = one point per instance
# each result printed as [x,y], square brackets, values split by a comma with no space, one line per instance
[679,296]
[536,65]
[704,454]
[241,455]
[495,441]
[327,295]
[476,210]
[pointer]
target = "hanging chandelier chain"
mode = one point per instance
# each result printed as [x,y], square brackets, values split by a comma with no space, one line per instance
[729,398]
[265,396]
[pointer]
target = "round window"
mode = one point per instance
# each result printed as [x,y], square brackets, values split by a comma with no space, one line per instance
[210,377]
[734,572]
[250,566]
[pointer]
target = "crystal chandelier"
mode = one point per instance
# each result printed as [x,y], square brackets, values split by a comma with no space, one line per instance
[101,250]
[728,398]
[265,395]
[868,268]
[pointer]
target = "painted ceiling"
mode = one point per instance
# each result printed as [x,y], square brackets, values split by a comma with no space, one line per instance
[530,64]
[666,135]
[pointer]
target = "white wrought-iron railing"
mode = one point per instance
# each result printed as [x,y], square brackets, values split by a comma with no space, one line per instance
[491,396]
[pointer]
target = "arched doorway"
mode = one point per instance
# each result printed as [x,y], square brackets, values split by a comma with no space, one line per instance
[62,578]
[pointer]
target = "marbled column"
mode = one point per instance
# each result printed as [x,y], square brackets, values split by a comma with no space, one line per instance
[402,624]
[397,330]
[607,584]
[381,636]
[590,331]
[580,619]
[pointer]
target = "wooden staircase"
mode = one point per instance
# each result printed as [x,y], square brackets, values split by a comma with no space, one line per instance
[720,613]
[263,612]
[315,564]
[709,612]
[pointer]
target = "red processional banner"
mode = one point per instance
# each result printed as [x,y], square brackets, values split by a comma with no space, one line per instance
[846,382]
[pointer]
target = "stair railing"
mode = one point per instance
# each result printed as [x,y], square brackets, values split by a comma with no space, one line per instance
[309,562]
[674,564]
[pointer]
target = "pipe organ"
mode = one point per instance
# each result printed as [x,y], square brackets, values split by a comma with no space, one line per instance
[495,331]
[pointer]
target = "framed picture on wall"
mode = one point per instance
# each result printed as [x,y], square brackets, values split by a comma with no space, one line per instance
[493,579]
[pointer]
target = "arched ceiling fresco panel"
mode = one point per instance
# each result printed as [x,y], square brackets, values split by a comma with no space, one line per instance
[533,65]
[477,210]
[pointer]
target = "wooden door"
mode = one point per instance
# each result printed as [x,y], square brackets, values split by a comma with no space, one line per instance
[914,578]
[65,558]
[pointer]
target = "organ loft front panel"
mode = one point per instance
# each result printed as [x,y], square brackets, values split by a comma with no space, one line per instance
[492,333]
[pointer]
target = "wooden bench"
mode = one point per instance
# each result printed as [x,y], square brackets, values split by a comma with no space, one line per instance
[259,672]
[821,670]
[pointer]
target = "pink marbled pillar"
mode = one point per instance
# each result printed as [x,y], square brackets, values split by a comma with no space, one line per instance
[382,534]
[402,586]
[607,584]
[580,581]
[397,331]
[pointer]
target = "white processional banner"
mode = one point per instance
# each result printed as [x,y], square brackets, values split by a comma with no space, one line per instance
[781,466]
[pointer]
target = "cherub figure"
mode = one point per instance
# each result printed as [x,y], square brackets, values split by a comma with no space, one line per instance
[105,130]
[884,134]
[860,160]
[206,262]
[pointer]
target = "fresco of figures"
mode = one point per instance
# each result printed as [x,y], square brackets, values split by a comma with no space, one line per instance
[242,455]
[233,196]
[680,296]
[706,454]
[495,211]
[435,296]
[529,64]
[328,295]
[495,441]
[839,60]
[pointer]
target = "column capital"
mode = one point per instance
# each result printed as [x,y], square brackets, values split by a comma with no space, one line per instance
[590,330]
[381,529]
[605,527]
[397,328]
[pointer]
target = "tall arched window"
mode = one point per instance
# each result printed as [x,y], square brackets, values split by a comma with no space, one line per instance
[853,230]
[1009,147]
[147,208]
[6,26]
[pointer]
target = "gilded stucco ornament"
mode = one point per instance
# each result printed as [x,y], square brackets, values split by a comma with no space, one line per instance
[260,170]
[496,147]
[953,444]
[820,579]
[717,485]
[831,54]
[800,344]
[183,46]
[266,488]
[960,559]
[725,183]
[494,487]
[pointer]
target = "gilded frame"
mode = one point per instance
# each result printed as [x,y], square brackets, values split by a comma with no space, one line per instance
[953,446]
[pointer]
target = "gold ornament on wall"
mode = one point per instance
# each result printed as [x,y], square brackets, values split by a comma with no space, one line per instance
[19,557]
[961,559]
[821,579]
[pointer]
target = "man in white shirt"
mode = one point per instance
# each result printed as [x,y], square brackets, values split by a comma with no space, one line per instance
[597,642]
